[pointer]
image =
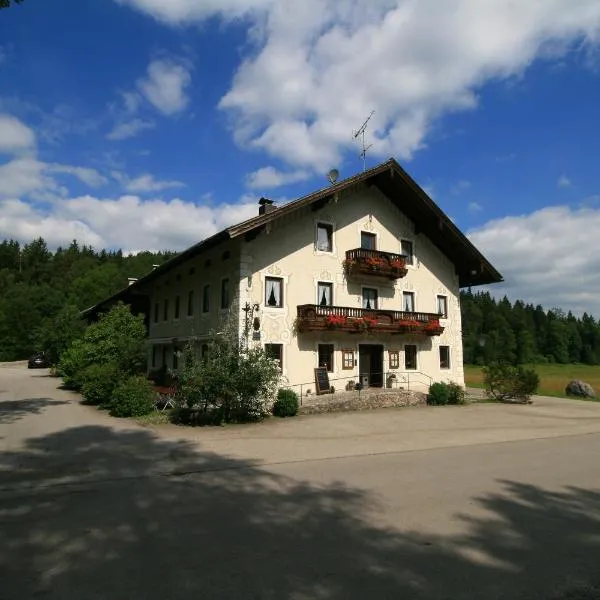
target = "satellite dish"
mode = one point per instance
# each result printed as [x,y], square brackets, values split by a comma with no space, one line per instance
[333,176]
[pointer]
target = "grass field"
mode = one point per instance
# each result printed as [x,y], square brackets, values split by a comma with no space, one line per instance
[553,378]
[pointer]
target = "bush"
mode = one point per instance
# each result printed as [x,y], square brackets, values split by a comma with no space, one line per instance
[286,404]
[134,397]
[118,337]
[99,382]
[507,382]
[442,394]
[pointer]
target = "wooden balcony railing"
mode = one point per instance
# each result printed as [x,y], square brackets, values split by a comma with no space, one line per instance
[312,317]
[374,262]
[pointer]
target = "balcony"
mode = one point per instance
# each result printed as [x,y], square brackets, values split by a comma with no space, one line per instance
[312,317]
[373,262]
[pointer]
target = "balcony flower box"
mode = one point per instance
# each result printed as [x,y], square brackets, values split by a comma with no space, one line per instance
[375,263]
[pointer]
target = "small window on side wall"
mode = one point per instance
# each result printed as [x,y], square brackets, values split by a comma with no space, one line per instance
[407,250]
[347,360]
[206,299]
[444,357]
[156,312]
[274,292]
[442,306]
[275,351]
[394,356]
[225,293]
[177,303]
[190,307]
[324,237]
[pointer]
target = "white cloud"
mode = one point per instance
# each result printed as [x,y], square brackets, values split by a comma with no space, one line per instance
[269,177]
[320,66]
[131,100]
[15,136]
[460,186]
[126,222]
[147,183]
[88,176]
[129,129]
[545,257]
[474,207]
[165,85]
[564,182]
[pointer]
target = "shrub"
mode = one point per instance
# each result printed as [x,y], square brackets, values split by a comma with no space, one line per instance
[286,404]
[118,337]
[507,382]
[99,382]
[133,397]
[442,394]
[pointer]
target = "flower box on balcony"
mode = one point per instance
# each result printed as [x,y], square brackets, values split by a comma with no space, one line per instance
[373,262]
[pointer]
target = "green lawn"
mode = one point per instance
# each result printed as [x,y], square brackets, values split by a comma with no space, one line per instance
[553,378]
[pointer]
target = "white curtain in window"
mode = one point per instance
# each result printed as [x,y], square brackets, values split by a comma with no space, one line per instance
[442,305]
[324,295]
[369,299]
[409,305]
[273,292]
[323,242]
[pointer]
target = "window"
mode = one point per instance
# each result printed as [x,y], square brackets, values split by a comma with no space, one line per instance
[410,358]
[326,356]
[407,251]
[347,359]
[225,293]
[444,357]
[177,303]
[206,299]
[156,312]
[368,241]
[190,311]
[324,237]
[275,351]
[394,359]
[226,255]
[274,292]
[175,357]
[370,298]
[154,356]
[325,294]
[164,356]
[166,310]
[408,301]
[442,306]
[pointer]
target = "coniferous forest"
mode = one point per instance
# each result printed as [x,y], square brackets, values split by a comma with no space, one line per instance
[42,291]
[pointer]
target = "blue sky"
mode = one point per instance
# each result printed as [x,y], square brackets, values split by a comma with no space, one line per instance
[152,124]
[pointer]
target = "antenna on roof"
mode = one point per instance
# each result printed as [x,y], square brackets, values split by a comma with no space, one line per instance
[333,176]
[361,133]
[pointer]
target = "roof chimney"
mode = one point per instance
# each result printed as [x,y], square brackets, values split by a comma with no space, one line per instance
[265,206]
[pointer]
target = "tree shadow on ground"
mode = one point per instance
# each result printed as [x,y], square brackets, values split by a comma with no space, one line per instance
[93,512]
[13,410]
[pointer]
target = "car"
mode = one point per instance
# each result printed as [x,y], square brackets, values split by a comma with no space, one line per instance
[37,361]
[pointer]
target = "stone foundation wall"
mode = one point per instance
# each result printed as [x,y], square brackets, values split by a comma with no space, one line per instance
[366,400]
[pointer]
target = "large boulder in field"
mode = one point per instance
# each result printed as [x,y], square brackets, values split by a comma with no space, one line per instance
[580,389]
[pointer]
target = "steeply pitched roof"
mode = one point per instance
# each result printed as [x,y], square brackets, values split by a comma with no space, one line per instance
[472,267]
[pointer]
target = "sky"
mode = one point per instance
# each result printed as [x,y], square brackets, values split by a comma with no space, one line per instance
[151,124]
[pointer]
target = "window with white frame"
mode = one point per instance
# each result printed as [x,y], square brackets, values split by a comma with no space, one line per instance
[274,292]
[407,250]
[408,301]
[347,360]
[410,357]
[324,237]
[394,359]
[325,294]
[275,351]
[442,306]
[444,357]
[370,298]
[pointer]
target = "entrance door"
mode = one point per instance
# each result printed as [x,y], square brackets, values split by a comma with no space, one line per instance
[370,363]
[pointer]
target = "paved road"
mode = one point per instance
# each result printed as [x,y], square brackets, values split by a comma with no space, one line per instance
[478,502]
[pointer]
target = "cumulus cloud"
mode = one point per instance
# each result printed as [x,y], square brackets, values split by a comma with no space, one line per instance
[86,175]
[129,129]
[126,222]
[15,136]
[320,66]
[164,85]
[147,183]
[270,177]
[545,257]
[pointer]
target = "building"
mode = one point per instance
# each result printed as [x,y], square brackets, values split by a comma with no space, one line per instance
[361,278]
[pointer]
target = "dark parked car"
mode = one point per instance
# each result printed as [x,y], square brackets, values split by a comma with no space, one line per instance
[37,361]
